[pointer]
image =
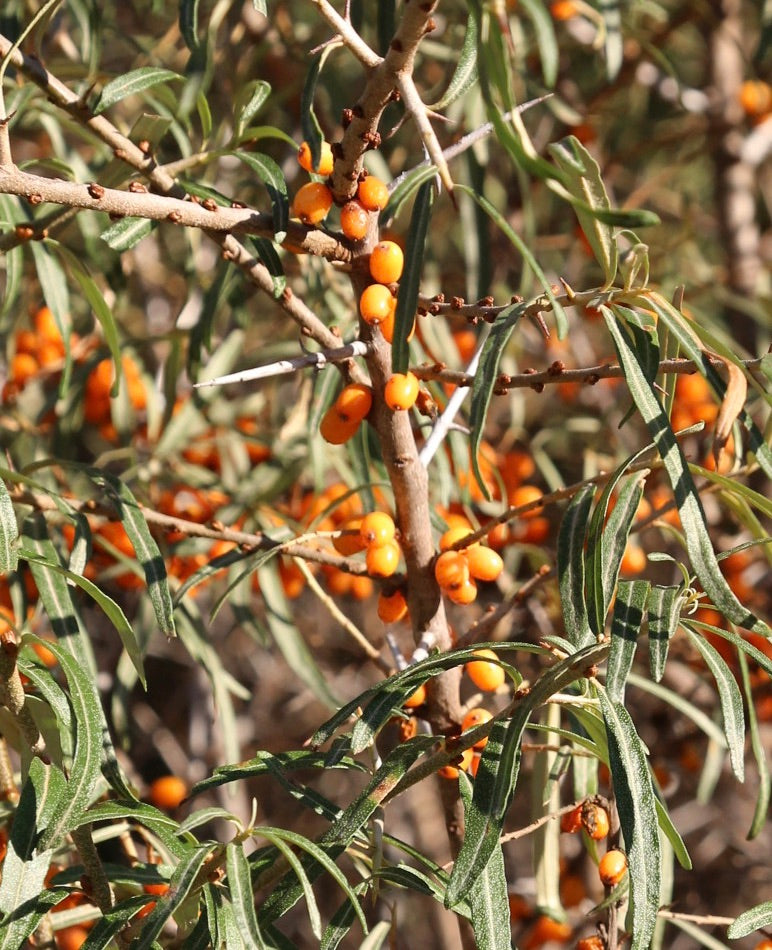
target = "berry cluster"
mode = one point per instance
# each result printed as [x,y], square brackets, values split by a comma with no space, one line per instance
[456,571]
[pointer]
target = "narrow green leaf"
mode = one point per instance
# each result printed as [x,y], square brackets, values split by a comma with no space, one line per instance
[249,100]
[297,868]
[266,251]
[9,533]
[488,896]
[312,131]
[761,810]
[131,83]
[465,74]
[123,235]
[571,567]
[636,803]
[341,921]
[485,381]
[53,282]
[690,509]
[242,896]
[188,20]
[161,825]
[743,645]
[731,702]
[681,705]
[409,284]
[756,918]
[266,763]
[627,619]
[544,29]
[613,42]
[403,188]
[145,547]
[663,606]
[672,835]
[270,174]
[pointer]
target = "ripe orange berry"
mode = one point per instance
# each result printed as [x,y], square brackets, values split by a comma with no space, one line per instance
[455,534]
[376,304]
[377,528]
[416,699]
[765,944]
[373,193]
[23,368]
[354,402]
[386,262]
[463,594]
[451,570]
[158,889]
[71,938]
[335,429]
[312,203]
[544,930]
[590,943]
[563,10]
[401,391]
[392,607]
[382,559]
[634,559]
[350,543]
[325,159]
[612,868]
[524,495]
[354,220]
[476,717]
[45,655]
[755,97]
[595,820]
[484,563]
[485,675]
[571,822]
[451,771]
[168,792]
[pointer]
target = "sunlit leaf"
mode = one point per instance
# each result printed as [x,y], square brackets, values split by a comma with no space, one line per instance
[131,83]
[626,620]
[9,532]
[761,811]
[271,176]
[571,567]
[465,74]
[756,918]
[123,235]
[663,606]
[410,281]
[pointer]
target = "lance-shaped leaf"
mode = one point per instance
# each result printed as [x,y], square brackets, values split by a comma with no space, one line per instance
[731,701]
[498,770]
[312,131]
[9,533]
[760,812]
[636,803]
[571,567]
[125,234]
[465,74]
[663,606]
[242,896]
[248,102]
[270,174]
[188,21]
[756,918]
[690,510]
[410,281]
[144,544]
[131,83]
[626,621]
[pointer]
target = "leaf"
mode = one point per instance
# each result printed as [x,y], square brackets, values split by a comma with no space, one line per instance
[488,896]
[690,510]
[756,918]
[241,894]
[53,282]
[465,73]
[571,567]
[249,100]
[312,132]
[612,18]
[544,29]
[266,251]
[188,20]
[731,702]
[761,810]
[636,804]
[672,835]
[131,83]
[485,381]
[9,533]
[582,178]
[409,284]
[270,174]
[403,188]
[663,606]
[144,544]
[626,621]
[123,235]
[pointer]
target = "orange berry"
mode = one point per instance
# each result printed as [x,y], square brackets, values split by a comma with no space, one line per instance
[377,528]
[451,570]
[612,868]
[71,938]
[755,97]
[572,890]
[292,579]
[23,368]
[525,495]
[571,822]
[351,542]
[595,820]
[335,429]
[634,559]
[168,792]
[590,943]
[392,607]
[382,559]
[361,587]
[485,675]
[476,717]
[376,304]
[326,160]
[416,699]
[386,262]
[408,728]
[451,771]
[516,467]
[158,889]
[144,911]
[373,193]
[312,203]
[454,535]
[563,10]
[519,908]
[544,930]
[401,391]
[463,594]
[47,327]
[45,655]
[354,402]
[354,220]
[484,563]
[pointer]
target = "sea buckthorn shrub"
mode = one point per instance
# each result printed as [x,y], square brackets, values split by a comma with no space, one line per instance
[384,519]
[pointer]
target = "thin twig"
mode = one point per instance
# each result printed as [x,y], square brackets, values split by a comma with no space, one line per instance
[280,367]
